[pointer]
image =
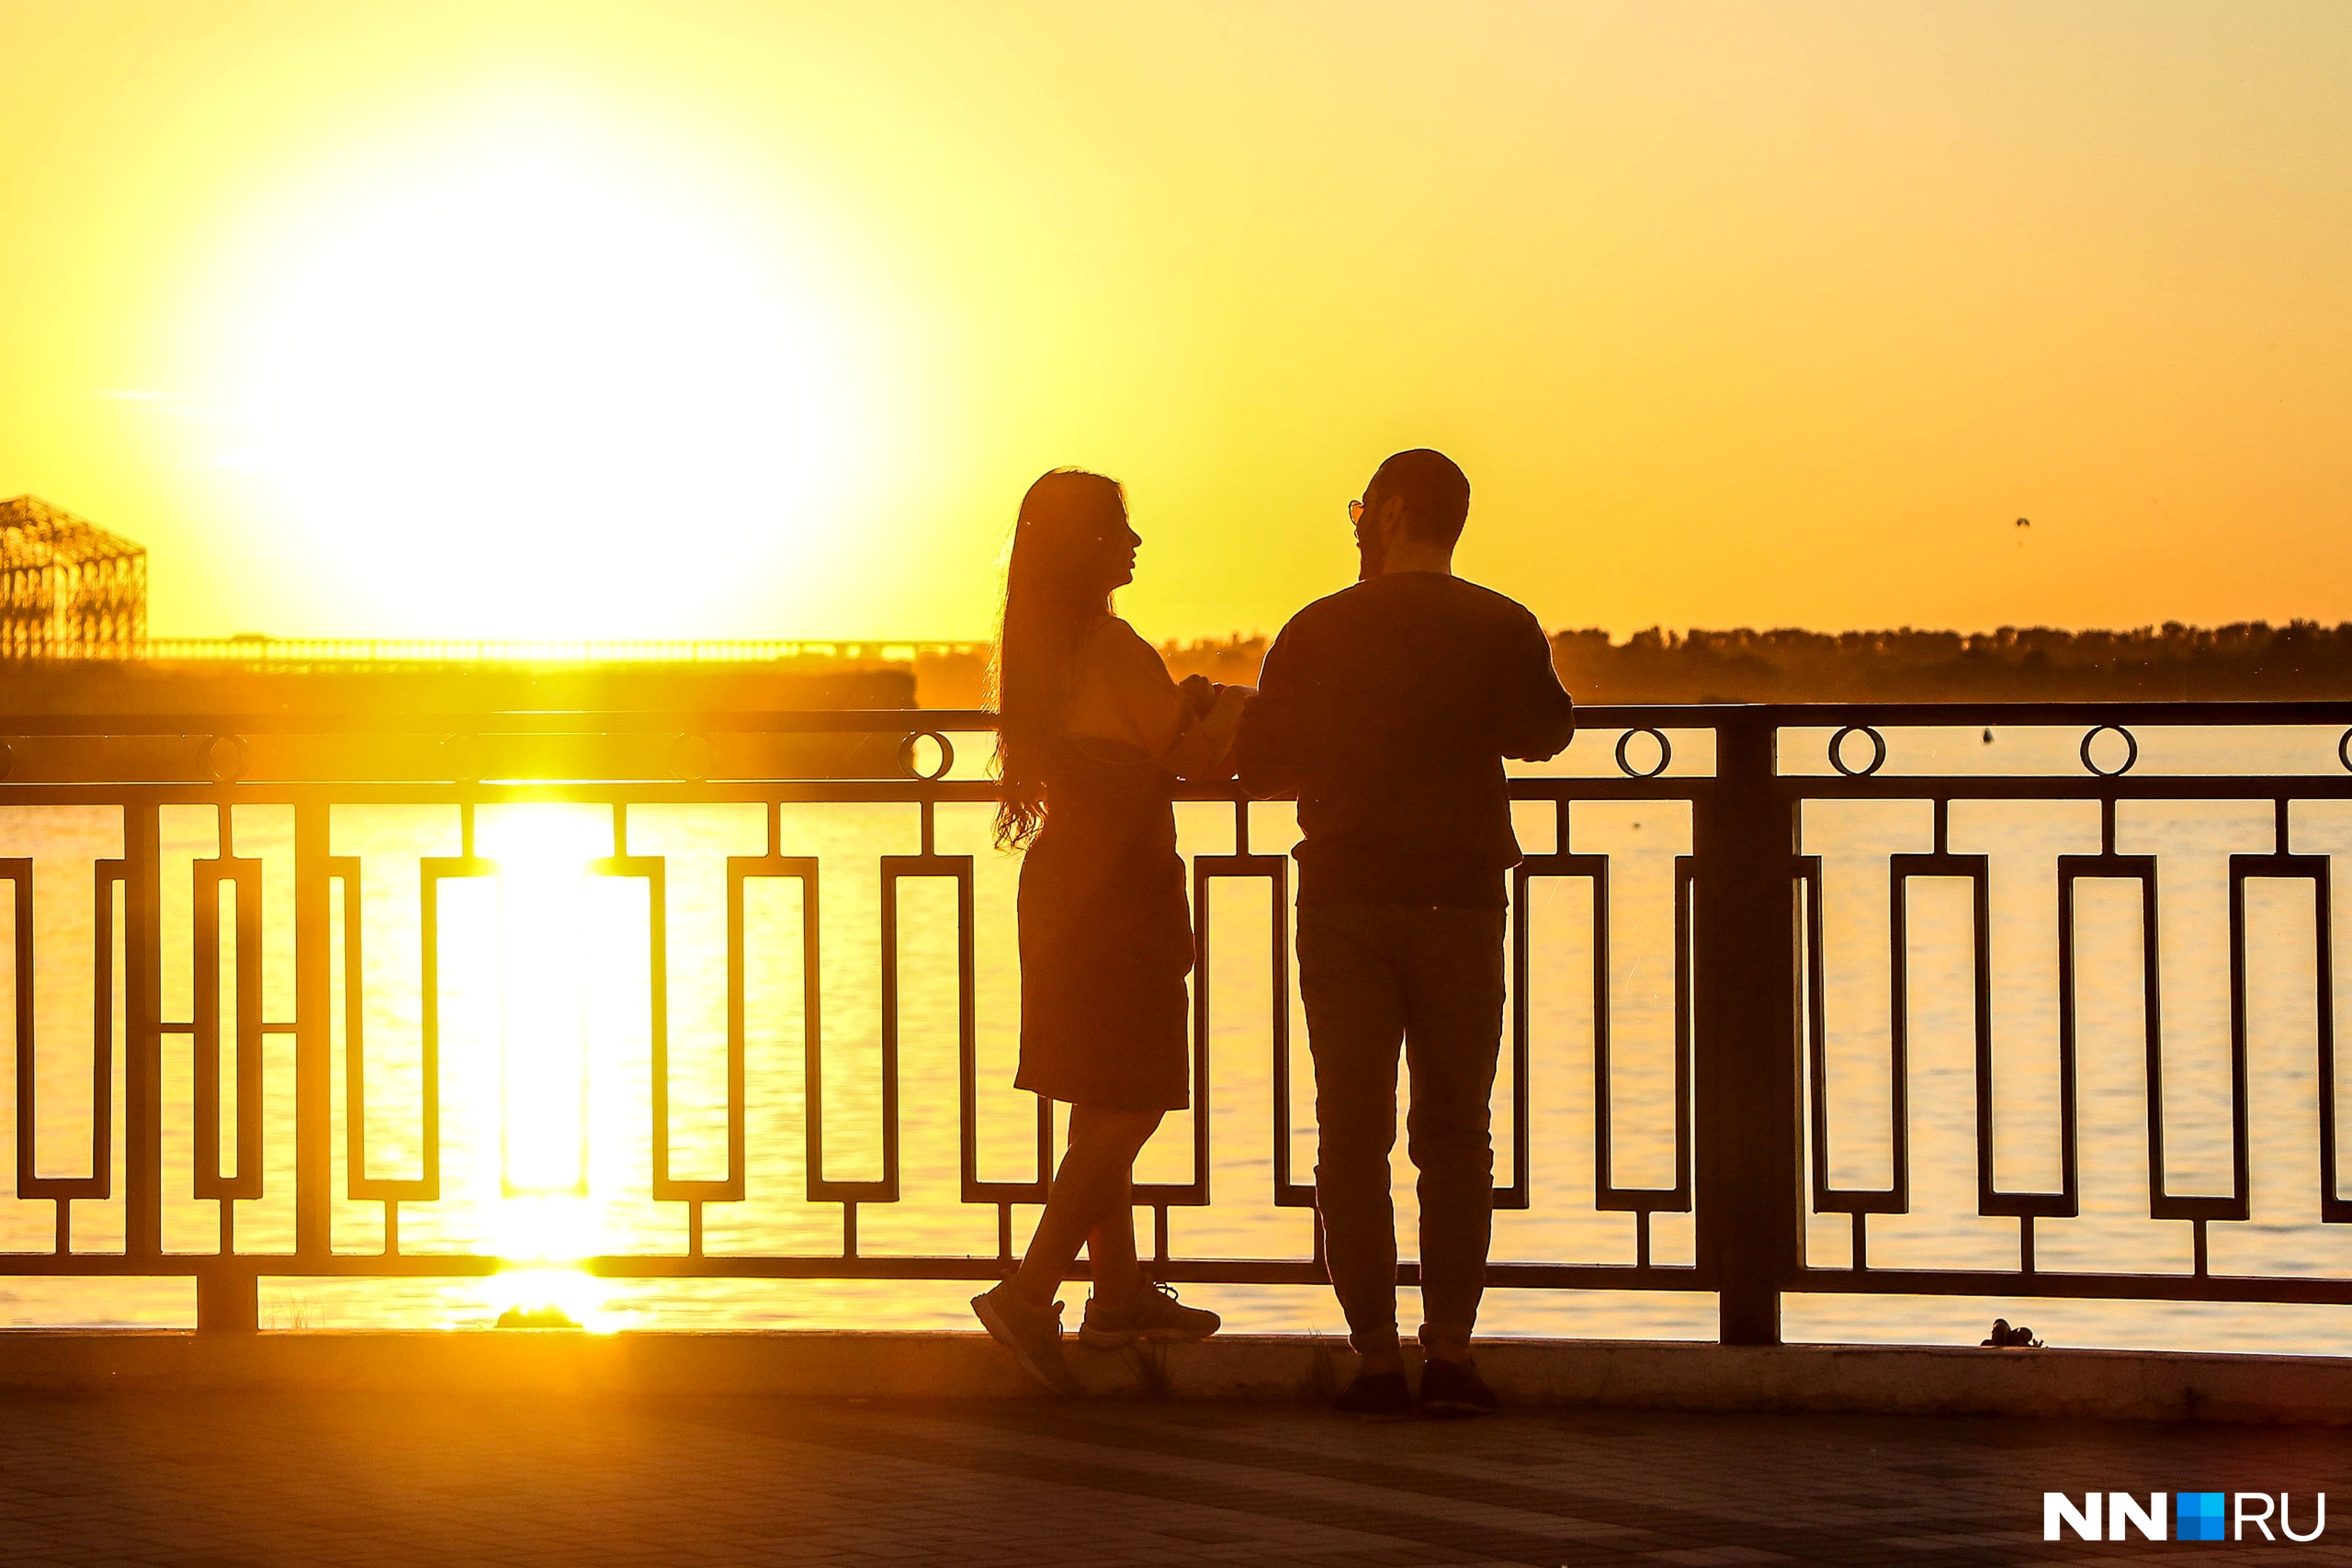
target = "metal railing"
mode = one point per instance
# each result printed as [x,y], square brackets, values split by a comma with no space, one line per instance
[1751,1127]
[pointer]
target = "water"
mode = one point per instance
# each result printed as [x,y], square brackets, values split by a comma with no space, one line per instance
[544,1002]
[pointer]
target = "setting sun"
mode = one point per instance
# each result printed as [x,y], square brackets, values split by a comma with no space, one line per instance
[534,349]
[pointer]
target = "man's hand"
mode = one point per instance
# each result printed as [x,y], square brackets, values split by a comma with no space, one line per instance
[1200,692]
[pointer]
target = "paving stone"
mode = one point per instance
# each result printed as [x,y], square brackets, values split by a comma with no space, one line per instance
[253,1480]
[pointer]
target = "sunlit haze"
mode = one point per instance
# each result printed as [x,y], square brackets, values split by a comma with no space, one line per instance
[590,318]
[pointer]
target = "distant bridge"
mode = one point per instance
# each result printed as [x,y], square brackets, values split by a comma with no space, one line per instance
[281,652]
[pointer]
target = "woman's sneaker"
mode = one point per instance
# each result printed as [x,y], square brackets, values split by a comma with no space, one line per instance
[1153,1313]
[1033,1333]
[1383,1397]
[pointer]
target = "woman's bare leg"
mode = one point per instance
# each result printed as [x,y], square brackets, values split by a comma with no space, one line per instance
[1091,1189]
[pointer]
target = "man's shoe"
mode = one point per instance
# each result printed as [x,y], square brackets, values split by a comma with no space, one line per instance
[1033,1333]
[1153,1313]
[1454,1389]
[1384,1395]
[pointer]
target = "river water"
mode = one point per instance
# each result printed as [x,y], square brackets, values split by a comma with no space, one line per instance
[544,1004]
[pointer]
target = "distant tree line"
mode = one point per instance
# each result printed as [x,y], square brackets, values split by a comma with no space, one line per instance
[2171,662]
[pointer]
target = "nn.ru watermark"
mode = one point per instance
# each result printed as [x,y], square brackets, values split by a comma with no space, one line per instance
[2181,1515]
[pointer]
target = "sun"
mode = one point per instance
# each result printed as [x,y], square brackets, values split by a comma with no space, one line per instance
[529,379]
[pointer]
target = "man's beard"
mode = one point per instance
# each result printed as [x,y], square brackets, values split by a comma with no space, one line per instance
[1367,557]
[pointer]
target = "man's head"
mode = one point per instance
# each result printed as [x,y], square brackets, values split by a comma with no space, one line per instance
[1411,514]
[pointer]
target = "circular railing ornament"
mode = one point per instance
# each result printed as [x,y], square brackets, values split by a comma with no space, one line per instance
[1837,752]
[2131,750]
[690,758]
[226,757]
[1664,753]
[2343,753]
[907,752]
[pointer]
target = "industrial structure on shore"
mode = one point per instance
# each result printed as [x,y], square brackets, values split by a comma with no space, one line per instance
[74,637]
[68,588]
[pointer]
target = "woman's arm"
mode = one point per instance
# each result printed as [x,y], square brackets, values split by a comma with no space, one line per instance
[1126,694]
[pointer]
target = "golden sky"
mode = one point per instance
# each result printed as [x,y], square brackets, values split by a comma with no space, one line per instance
[753,320]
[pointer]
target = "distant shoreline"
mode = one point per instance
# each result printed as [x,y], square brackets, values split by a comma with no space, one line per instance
[2302,661]
[2250,660]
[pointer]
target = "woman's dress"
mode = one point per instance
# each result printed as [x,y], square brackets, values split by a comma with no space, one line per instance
[1106,931]
[1106,938]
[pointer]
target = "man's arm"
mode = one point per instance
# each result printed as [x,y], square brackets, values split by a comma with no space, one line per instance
[1269,752]
[1537,718]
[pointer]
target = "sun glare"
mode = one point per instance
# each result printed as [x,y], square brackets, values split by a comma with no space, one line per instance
[522,387]
[553,1297]
[558,1164]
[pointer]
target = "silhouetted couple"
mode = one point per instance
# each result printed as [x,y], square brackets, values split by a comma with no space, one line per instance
[1387,709]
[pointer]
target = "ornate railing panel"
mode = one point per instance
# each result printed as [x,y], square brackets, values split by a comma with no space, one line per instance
[1747,1130]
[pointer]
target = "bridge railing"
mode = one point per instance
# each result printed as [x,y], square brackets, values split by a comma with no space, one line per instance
[1748,1129]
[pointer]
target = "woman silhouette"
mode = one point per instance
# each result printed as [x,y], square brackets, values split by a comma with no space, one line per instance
[1092,734]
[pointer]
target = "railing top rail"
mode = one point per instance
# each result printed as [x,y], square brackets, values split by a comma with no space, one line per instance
[488,721]
[1594,716]
[1807,715]
[1801,715]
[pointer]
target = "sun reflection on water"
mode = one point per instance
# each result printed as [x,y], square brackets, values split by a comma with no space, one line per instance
[554,1298]
[558,1170]
[543,1049]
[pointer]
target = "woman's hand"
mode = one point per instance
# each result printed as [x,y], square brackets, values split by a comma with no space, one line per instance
[1200,692]
[1213,735]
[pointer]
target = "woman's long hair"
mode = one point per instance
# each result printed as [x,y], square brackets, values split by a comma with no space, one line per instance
[1053,591]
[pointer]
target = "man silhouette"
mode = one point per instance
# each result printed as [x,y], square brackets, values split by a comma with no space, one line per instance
[1389,707]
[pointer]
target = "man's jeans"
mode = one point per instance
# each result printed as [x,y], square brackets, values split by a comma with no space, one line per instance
[1374,975]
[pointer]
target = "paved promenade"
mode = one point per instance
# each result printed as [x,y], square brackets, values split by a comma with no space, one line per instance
[243,1480]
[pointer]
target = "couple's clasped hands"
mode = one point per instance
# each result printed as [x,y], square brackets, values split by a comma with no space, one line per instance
[1215,712]
[1208,698]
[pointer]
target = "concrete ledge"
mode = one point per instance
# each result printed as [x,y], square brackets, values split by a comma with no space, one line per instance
[2077,1384]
